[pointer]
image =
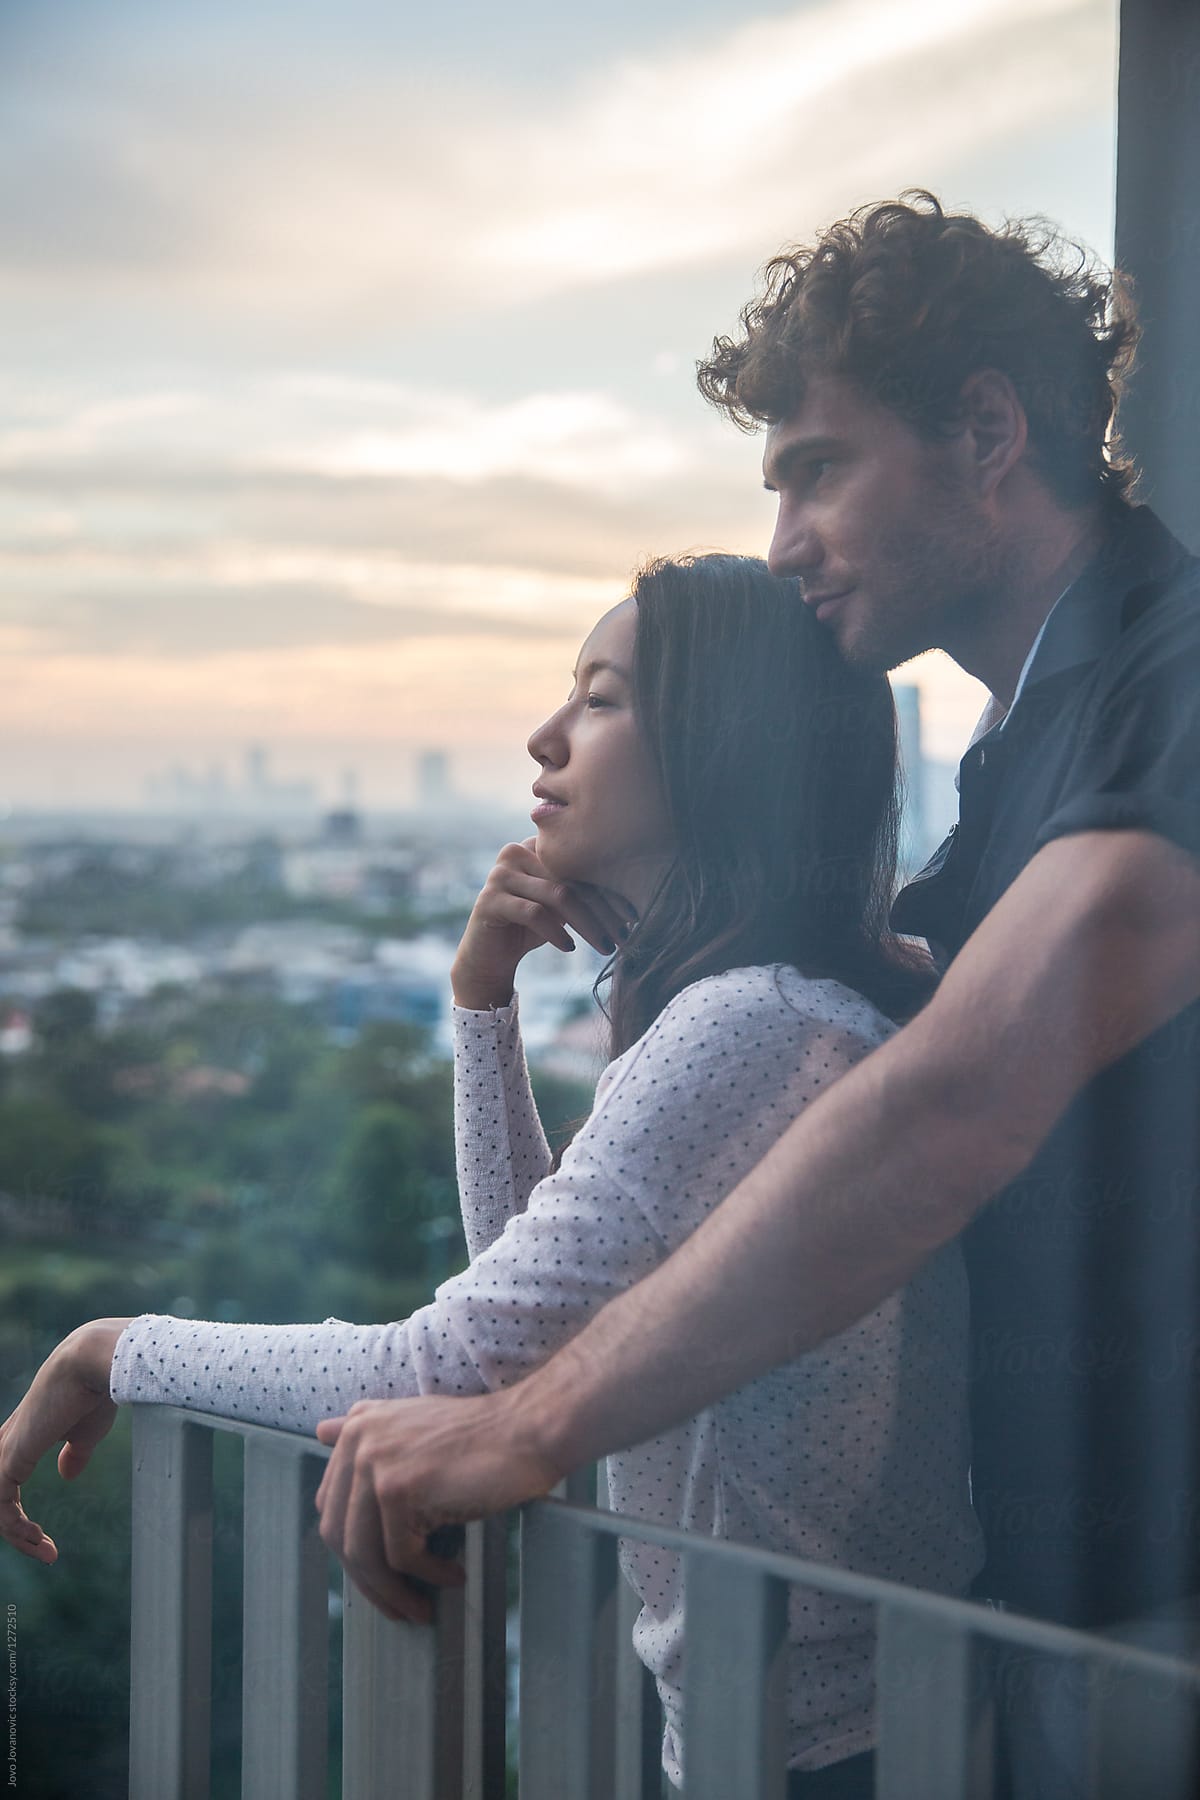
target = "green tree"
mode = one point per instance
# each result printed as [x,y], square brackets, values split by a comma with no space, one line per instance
[379,1199]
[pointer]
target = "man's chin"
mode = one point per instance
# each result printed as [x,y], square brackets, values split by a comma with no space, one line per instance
[876,653]
[860,650]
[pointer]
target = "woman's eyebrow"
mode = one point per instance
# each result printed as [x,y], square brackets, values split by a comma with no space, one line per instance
[594,668]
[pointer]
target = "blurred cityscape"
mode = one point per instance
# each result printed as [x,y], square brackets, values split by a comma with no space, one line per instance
[221,887]
[227,885]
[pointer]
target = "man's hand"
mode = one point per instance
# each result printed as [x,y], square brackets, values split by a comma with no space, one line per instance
[403,1469]
[67,1400]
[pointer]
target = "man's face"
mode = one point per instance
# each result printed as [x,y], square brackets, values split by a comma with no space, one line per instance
[892,547]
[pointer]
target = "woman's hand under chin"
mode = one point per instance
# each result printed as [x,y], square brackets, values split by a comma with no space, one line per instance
[521,906]
[68,1402]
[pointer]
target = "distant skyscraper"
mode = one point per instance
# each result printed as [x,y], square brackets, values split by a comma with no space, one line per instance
[433,779]
[912,762]
[207,791]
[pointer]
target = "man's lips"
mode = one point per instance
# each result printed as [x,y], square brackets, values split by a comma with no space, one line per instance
[823,604]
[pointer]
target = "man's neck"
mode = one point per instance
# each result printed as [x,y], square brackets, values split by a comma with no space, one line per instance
[1046,559]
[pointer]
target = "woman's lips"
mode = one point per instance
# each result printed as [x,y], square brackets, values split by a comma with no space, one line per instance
[546,809]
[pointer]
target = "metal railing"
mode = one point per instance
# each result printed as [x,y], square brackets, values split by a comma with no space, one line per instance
[424,1710]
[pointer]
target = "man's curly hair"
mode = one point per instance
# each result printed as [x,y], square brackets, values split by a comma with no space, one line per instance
[907,301]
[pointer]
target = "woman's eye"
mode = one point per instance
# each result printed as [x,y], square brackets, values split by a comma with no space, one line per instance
[595,701]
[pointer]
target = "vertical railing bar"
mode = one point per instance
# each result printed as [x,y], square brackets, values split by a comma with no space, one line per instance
[373,1726]
[485,1669]
[933,1707]
[170,1677]
[637,1720]
[446,1691]
[602,1701]
[567,1579]
[735,1681]
[639,1725]
[402,1710]
[285,1626]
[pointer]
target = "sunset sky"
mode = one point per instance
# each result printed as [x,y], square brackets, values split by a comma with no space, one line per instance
[347,353]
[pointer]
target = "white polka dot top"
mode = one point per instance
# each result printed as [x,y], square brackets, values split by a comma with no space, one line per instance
[855,1454]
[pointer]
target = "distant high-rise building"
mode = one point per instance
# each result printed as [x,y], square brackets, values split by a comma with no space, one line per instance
[258,794]
[912,763]
[257,777]
[434,787]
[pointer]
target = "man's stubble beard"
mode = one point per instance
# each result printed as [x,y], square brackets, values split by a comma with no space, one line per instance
[945,583]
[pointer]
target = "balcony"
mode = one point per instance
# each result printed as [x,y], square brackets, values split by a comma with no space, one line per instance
[424,1711]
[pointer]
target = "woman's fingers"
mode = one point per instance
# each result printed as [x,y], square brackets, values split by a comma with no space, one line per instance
[16,1527]
[615,915]
[527,905]
[24,1533]
[76,1453]
[62,1406]
[559,904]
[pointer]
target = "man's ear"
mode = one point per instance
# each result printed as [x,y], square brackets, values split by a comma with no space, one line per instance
[994,430]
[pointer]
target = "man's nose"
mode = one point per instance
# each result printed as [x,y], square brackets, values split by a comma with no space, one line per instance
[795,547]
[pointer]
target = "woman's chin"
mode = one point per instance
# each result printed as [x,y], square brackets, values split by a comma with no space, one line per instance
[558,861]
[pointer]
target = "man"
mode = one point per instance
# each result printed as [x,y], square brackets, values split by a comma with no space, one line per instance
[939,402]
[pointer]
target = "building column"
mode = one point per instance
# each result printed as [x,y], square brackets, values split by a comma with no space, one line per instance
[1158,244]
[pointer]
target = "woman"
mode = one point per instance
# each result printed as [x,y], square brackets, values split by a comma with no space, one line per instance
[716,806]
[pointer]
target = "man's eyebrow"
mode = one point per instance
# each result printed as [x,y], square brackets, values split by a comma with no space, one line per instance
[800,450]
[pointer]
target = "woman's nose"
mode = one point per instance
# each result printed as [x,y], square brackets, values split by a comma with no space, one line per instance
[547,743]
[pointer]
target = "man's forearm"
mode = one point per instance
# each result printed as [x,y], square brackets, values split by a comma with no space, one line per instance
[841,1212]
[1092,949]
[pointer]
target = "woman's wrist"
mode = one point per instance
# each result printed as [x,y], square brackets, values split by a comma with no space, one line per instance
[93,1347]
[476,995]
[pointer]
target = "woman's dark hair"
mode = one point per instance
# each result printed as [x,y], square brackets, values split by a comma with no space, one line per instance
[778,763]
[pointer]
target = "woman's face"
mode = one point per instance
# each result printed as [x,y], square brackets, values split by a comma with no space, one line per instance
[601,816]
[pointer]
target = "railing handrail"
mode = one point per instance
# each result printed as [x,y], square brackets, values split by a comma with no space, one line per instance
[424,1710]
[973,1615]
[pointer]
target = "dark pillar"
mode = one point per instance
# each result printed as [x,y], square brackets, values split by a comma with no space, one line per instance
[1158,243]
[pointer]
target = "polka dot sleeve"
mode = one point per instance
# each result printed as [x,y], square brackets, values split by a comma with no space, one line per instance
[501,1151]
[678,1119]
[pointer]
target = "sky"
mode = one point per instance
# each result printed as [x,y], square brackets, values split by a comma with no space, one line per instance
[347,352]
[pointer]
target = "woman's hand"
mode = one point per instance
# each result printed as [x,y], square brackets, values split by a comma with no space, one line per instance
[521,906]
[68,1399]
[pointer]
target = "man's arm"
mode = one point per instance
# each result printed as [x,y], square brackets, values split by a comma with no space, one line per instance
[1094,947]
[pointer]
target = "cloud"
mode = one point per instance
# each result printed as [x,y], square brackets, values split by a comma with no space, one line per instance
[106,516]
[191,619]
[293,509]
[390,196]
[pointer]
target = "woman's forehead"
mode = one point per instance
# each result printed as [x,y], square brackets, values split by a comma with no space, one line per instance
[611,638]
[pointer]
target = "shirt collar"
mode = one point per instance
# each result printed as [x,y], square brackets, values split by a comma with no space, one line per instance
[1086,619]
